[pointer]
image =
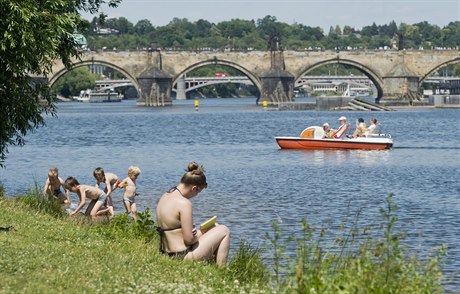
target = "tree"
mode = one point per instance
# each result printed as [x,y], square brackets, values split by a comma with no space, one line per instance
[202,28]
[71,83]
[370,31]
[144,26]
[33,36]
[268,25]
[121,24]
[450,35]
[236,28]
[337,30]
[347,30]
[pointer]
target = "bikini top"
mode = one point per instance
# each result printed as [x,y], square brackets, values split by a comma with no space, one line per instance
[161,231]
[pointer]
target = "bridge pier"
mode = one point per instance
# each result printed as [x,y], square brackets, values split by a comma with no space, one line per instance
[155,88]
[402,89]
[400,84]
[180,91]
[277,86]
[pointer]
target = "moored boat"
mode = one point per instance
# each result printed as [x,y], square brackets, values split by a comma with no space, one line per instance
[312,139]
[95,97]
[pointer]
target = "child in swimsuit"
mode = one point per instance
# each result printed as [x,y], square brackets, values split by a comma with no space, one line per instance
[87,191]
[129,183]
[53,186]
[111,182]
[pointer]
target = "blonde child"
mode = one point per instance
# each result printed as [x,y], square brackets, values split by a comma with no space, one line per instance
[53,186]
[111,182]
[129,183]
[87,191]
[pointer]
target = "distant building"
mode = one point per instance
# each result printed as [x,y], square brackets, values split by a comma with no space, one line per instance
[451,87]
[80,40]
[96,69]
[105,31]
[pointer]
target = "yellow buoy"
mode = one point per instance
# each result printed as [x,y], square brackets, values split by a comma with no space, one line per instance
[197,103]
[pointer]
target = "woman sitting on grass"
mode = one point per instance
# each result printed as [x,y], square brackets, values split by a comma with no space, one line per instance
[178,235]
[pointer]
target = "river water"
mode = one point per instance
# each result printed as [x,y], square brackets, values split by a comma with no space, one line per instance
[251,181]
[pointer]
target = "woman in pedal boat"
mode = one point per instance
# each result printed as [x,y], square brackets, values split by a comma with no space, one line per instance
[178,236]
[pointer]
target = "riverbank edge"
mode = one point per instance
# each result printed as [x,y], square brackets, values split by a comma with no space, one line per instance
[417,107]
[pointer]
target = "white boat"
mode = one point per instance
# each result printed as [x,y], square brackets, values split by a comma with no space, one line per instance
[96,97]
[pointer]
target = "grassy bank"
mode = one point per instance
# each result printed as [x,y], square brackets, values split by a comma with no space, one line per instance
[52,254]
[49,252]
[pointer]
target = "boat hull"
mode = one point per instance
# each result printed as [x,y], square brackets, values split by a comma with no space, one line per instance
[319,144]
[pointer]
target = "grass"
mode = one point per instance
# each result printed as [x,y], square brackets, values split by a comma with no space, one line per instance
[49,252]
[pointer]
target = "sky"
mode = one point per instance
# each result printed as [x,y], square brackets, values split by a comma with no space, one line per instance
[313,13]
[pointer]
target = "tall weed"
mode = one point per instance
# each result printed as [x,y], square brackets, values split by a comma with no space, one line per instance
[277,245]
[246,264]
[356,264]
[34,200]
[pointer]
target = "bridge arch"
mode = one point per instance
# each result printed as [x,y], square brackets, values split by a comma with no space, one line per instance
[254,79]
[373,76]
[64,70]
[453,61]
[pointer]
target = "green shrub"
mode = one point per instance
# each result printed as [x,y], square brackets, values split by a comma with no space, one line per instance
[122,226]
[144,226]
[356,264]
[49,206]
[2,190]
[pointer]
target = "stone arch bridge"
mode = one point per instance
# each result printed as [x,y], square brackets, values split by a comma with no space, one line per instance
[397,75]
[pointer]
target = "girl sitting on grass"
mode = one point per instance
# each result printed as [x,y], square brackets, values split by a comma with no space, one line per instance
[178,236]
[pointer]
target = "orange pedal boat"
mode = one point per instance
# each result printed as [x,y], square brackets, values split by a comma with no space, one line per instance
[312,139]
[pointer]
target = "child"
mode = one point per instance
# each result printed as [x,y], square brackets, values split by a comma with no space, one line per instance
[53,186]
[129,184]
[111,182]
[87,191]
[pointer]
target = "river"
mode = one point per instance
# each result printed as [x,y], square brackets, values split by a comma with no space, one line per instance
[251,181]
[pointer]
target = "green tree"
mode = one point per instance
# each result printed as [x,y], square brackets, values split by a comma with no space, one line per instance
[370,31]
[74,81]
[33,37]
[337,30]
[202,28]
[388,30]
[268,25]
[167,37]
[411,35]
[347,30]
[144,26]
[236,28]
[450,35]
[217,40]
[121,24]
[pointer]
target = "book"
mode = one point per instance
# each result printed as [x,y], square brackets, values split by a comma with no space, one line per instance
[209,223]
